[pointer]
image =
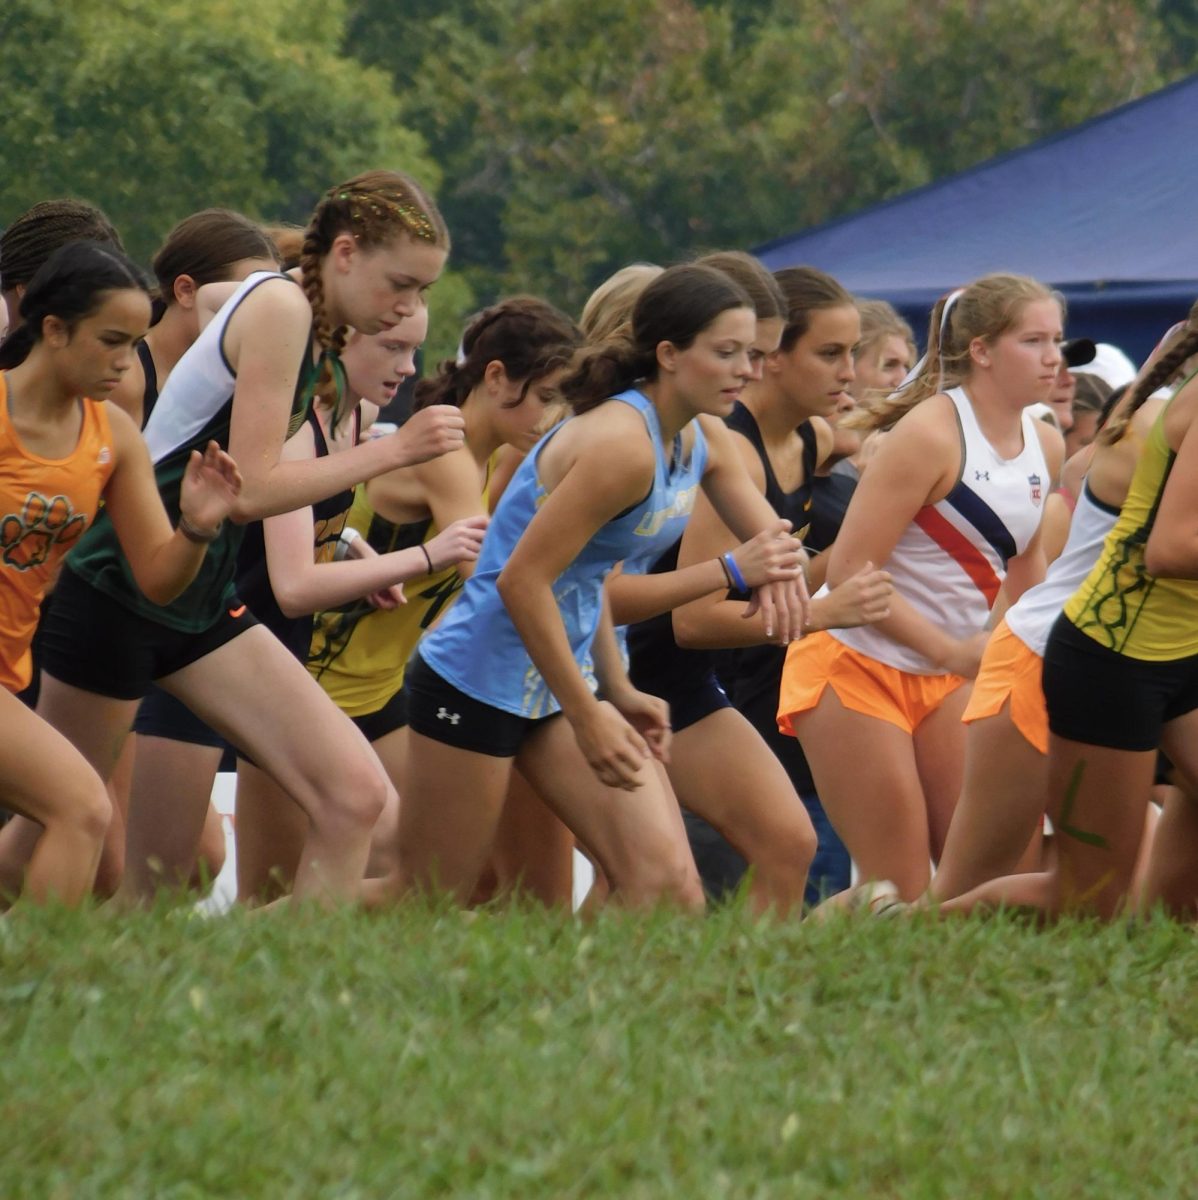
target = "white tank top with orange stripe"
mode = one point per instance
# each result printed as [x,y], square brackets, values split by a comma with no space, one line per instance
[950,561]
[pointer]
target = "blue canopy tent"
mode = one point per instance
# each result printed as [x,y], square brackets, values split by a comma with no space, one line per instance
[1107,212]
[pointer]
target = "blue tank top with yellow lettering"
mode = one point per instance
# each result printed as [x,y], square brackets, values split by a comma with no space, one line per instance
[476,647]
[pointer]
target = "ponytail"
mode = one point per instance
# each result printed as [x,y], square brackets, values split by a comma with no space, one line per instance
[1165,368]
[15,348]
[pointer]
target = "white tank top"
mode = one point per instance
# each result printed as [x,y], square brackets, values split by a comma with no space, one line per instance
[950,561]
[1032,617]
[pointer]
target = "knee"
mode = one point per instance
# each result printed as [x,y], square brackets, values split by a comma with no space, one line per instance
[352,801]
[786,848]
[89,811]
[666,879]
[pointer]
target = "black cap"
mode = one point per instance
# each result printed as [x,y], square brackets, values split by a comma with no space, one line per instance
[1078,351]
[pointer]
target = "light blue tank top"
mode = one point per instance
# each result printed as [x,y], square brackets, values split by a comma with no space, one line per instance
[476,647]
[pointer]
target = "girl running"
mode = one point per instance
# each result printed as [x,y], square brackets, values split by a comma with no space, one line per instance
[530,635]
[61,450]
[373,245]
[950,504]
[782,434]
[285,583]
[1121,680]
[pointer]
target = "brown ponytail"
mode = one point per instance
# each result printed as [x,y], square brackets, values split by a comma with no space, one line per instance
[1163,371]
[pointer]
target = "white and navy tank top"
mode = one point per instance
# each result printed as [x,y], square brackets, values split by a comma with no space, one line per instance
[196,405]
[477,648]
[951,560]
[1032,617]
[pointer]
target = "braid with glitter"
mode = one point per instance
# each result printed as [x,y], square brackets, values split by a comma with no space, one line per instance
[373,208]
[33,236]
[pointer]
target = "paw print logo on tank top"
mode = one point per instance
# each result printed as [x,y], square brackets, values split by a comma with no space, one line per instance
[27,538]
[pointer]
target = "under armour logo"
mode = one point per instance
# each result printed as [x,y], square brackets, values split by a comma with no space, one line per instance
[978,476]
[444,714]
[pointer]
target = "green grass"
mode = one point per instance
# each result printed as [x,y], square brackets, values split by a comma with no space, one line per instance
[521,1054]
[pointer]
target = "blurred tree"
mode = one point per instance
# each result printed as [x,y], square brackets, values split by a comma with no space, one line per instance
[577,135]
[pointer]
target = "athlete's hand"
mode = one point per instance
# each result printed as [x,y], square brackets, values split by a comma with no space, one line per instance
[785,608]
[862,599]
[428,433]
[964,657]
[770,556]
[385,598]
[458,542]
[649,715]
[211,485]
[613,749]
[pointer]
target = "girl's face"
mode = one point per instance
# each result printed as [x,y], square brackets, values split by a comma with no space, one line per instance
[1023,362]
[711,372]
[377,287]
[769,334]
[883,366]
[93,357]
[815,373]
[376,364]
[521,422]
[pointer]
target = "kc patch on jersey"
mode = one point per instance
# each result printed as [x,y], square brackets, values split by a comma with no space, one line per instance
[1034,485]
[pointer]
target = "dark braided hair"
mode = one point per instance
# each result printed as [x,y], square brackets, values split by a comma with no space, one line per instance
[675,307]
[373,208]
[528,336]
[36,234]
[69,285]
[1163,371]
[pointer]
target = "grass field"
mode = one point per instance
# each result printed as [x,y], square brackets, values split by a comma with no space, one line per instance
[521,1054]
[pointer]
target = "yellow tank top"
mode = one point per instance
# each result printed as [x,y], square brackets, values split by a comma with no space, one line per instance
[1120,605]
[359,653]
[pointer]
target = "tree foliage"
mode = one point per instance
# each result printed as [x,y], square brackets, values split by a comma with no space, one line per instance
[578,135]
[154,109]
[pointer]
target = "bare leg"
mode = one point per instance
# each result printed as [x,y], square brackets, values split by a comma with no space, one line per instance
[210,859]
[112,859]
[1000,810]
[533,854]
[637,837]
[940,761]
[722,770]
[866,774]
[168,805]
[447,820]
[254,693]
[271,829]
[392,750]
[1172,875]
[45,778]
[1096,800]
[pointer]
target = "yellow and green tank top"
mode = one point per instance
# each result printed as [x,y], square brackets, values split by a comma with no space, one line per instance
[1121,605]
[359,653]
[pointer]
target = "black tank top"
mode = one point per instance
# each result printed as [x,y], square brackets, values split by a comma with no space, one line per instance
[751,671]
[253,578]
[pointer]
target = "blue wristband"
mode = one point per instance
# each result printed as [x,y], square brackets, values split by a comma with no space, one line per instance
[737,578]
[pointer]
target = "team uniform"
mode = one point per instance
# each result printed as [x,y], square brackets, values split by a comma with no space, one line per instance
[948,564]
[1012,665]
[1122,659]
[45,507]
[103,635]
[359,653]
[472,683]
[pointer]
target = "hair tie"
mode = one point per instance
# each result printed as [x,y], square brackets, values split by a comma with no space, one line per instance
[948,308]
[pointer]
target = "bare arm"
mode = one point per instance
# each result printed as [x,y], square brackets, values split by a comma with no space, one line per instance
[605,473]
[163,560]
[266,341]
[1172,549]
[303,586]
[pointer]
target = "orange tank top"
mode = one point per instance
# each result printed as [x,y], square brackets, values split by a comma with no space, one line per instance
[45,504]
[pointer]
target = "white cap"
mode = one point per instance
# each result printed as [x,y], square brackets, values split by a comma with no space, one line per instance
[1110,364]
